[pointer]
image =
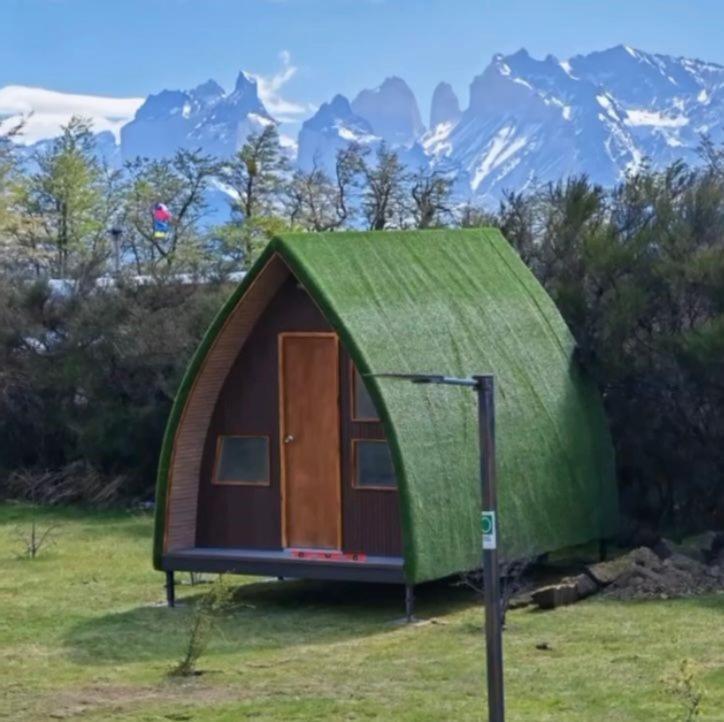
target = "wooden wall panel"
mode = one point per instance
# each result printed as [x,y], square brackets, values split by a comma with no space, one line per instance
[237,392]
[371,517]
[243,516]
[185,468]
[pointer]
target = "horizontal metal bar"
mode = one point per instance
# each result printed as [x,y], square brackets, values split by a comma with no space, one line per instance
[292,569]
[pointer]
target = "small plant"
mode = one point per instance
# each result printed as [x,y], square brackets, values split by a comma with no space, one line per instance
[513,578]
[683,685]
[34,539]
[203,616]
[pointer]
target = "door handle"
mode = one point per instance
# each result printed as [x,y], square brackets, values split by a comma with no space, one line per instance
[288,438]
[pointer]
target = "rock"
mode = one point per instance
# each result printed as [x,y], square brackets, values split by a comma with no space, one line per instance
[556,595]
[605,573]
[585,586]
[520,601]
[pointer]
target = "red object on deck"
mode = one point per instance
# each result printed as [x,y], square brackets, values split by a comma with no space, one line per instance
[327,556]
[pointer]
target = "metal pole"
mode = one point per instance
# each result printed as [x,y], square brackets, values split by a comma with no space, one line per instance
[485,387]
[409,603]
[116,238]
[170,589]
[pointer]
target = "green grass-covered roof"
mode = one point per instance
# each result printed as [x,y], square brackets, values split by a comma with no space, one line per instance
[458,302]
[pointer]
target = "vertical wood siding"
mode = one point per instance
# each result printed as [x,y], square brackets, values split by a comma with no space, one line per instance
[243,399]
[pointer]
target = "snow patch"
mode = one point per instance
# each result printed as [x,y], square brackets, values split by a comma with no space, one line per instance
[353,136]
[503,145]
[605,102]
[260,119]
[655,119]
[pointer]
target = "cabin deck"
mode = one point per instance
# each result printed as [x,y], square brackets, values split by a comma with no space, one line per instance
[293,563]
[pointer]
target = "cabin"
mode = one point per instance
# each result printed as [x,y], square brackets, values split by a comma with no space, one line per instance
[287,455]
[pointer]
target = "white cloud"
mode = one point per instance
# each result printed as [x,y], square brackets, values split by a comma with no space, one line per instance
[270,91]
[47,110]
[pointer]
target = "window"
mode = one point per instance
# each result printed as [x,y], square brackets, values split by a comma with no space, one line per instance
[363,408]
[242,460]
[373,468]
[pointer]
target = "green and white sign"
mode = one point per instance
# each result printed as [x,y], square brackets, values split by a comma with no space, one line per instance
[488,529]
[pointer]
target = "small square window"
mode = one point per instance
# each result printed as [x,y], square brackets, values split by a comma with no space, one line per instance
[373,465]
[242,460]
[363,408]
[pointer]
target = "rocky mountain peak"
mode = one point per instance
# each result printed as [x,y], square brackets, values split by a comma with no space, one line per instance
[445,106]
[392,111]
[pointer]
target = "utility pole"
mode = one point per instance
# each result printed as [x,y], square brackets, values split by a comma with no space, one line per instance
[116,240]
[484,386]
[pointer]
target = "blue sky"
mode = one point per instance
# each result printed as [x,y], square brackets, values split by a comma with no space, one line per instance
[306,50]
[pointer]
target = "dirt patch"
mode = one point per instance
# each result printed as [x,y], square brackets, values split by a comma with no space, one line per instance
[646,576]
[666,570]
[94,699]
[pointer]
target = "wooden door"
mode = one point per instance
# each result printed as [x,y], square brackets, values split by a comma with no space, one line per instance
[310,445]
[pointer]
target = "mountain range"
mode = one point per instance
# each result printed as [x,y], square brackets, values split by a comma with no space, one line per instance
[526,120]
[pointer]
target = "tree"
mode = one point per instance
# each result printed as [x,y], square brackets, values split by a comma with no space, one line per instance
[313,201]
[181,183]
[318,203]
[348,167]
[431,194]
[471,215]
[235,246]
[8,170]
[638,274]
[10,177]
[384,190]
[66,205]
[256,174]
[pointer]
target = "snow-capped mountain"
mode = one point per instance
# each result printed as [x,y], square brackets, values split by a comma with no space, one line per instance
[531,121]
[527,120]
[205,117]
[391,110]
[669,103]
[334,126]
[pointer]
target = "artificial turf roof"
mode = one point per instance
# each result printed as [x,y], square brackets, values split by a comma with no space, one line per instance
[456,302]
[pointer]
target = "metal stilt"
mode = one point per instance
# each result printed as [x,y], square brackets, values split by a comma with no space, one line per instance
[170,589]
[409,603]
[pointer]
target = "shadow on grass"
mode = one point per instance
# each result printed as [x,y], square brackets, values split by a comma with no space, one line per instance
[264,615]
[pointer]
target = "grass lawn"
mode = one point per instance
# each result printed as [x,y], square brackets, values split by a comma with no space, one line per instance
[83,635]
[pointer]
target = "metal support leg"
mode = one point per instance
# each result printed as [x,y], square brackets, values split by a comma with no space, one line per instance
[409,603]
[170,589]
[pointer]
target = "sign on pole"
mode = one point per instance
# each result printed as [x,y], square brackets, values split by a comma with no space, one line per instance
[487,523]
